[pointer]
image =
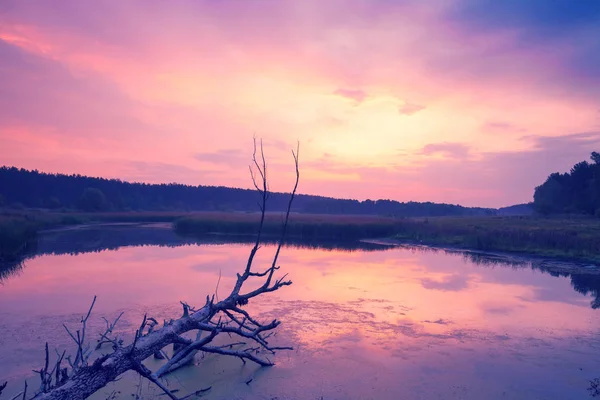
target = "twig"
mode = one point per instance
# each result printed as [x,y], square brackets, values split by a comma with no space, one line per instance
[139,333]
[109,329]
[17,396]
[146,373]
[217,288]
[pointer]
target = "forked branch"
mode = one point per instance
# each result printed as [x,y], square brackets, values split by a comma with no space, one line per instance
[90,371]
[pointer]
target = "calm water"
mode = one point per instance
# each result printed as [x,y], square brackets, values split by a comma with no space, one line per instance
[371,323]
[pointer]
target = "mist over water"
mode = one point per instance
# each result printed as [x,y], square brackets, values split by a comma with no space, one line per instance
[365,320]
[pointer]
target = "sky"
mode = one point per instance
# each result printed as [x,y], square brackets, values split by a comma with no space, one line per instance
[456,101]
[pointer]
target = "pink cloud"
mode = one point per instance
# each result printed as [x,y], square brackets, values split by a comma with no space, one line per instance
[410,109]
[164,92]
[353,94]
[454,150]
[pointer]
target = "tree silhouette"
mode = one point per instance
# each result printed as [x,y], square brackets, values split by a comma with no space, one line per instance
[577,191]
[35,189]
[93,200]
[53,203]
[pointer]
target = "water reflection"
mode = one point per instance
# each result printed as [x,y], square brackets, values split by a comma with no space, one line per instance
[84,240]
[411,323]
[11,268]
[79,240]
[585,278]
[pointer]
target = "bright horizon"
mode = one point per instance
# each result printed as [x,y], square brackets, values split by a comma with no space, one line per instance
[453,101]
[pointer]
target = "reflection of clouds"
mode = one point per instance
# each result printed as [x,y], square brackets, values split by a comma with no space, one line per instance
[550,295]
[353,337]
[374,323]
[370,310]
[361,334]
[205,267]
[378,328]
[448,283]
[515,270]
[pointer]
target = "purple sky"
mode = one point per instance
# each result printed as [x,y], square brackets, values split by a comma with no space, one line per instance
[462,101]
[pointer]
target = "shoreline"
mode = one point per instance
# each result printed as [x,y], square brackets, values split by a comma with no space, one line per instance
[149,224]
[556,263]
[568,240]
[547,262]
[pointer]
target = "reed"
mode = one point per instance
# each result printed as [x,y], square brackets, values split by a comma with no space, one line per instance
[562,237]
[308,227]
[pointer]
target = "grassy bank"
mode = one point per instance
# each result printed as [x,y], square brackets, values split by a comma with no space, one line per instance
[308,227]
[574,238]
[19,229]
[15,235]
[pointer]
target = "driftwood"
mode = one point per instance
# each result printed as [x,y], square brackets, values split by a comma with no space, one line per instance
[79,377]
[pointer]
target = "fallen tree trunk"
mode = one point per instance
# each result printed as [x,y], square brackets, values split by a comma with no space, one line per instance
[214,318]
[89,379]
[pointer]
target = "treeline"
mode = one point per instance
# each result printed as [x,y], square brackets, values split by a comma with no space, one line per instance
[20,188]
[574,192]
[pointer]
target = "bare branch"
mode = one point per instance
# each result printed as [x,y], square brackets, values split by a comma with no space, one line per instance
[240,354]
[146,373]
[181,356]
[289,207]
[217,287]
[104,337]
[249,336]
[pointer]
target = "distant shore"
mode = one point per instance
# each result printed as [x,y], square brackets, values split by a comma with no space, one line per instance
[19,228]
[557,264]
[568,238]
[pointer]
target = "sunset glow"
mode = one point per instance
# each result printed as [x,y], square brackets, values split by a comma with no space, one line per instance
[456,101]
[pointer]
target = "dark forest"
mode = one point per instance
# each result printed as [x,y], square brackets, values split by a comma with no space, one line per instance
[574,192]
[20,188]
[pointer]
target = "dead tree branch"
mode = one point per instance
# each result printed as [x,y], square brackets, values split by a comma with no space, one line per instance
[110,327]
[90,371]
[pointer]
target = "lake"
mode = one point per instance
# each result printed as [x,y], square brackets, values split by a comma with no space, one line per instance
[366,321]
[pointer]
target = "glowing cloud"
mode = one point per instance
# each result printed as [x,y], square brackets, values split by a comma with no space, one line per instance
[174,92]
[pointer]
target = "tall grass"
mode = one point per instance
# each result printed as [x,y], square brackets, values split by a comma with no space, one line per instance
[573,237]
[15,235]
[569,237]
[302,226]
[577,238]
[141,216]
[19,228]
